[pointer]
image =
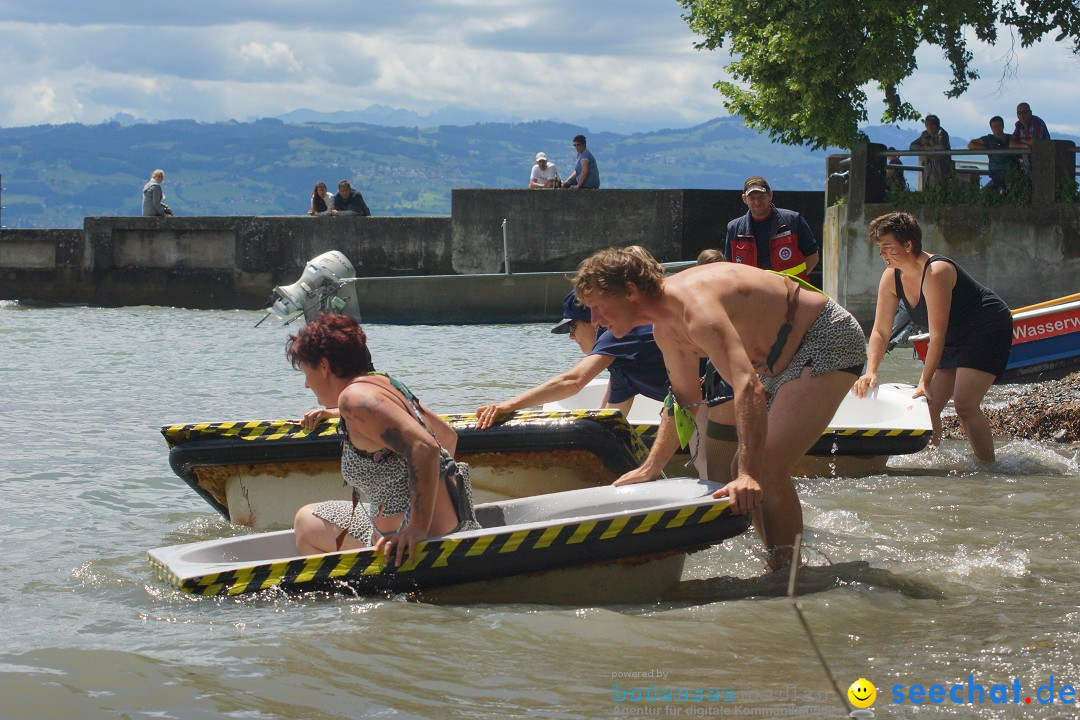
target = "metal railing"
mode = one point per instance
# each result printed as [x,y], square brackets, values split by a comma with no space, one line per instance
[846,159]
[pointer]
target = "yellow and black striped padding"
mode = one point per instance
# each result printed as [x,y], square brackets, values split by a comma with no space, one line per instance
[285,430]
[502,552]
[837,441]
[604,432]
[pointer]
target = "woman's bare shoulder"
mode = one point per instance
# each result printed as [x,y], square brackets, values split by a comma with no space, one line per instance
[944,269]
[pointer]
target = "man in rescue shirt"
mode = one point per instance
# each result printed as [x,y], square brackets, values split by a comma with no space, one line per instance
[769,237]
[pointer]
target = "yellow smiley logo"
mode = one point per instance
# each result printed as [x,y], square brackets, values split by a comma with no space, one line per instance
[862,693]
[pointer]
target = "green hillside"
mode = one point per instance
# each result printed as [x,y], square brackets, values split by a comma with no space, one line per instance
[55,175]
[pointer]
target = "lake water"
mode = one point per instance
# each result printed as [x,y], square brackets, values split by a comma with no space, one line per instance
[970,573]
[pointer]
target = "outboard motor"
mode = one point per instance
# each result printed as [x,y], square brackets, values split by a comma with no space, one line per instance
[327,285]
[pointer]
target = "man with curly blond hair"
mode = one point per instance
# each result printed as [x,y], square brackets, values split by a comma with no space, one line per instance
[789,352]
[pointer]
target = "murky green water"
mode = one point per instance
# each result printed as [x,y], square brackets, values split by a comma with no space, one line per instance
[970,573]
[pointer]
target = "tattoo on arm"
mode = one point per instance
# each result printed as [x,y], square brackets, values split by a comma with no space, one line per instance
[364,403]
[396,442]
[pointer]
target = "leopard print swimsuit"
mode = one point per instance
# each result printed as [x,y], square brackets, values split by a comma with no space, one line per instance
[383,478]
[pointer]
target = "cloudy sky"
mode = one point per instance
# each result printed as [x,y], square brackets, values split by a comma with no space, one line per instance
[609,64]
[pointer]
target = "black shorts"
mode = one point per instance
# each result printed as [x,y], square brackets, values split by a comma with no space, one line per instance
[985,349]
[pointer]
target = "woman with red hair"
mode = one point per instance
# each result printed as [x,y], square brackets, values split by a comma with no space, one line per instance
[396,452]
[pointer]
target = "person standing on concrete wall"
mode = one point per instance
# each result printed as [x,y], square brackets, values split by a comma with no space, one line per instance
[769,237]
[586,175]
[153,198]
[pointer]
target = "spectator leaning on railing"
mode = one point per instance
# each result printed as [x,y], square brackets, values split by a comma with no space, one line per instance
[937,169]
[998,164]
[1028,127]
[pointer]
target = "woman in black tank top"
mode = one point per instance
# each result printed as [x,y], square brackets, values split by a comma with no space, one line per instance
[970,328]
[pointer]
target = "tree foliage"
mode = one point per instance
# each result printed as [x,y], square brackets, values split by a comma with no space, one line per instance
[801,67]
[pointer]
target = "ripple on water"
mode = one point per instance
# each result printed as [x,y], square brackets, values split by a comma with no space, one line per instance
[931,571]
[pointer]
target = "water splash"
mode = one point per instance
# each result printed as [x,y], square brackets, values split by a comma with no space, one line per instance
[1028,457]
[988,564]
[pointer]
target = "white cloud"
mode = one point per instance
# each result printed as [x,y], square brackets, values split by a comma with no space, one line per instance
[276,56]
[41,102]
[560,59]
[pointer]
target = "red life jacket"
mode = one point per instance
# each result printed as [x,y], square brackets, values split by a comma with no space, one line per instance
[784,252]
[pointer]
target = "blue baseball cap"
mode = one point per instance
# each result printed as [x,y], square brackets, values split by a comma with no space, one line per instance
[571,310]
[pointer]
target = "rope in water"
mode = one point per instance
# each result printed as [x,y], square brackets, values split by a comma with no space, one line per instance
[792,581]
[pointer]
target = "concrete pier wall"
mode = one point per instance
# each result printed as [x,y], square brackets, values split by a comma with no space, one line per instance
[234,262]
[1027,254]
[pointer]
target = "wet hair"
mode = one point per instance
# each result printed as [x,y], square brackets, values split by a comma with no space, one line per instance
[610,271]
[901,225]
[710,255]
[338,338]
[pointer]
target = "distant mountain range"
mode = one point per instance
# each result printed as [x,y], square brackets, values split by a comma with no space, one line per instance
[55,175]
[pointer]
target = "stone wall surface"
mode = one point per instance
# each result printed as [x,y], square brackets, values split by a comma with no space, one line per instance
[1027,254]
[227,262]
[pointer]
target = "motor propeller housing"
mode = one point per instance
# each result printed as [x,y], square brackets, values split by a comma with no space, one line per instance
[326,285]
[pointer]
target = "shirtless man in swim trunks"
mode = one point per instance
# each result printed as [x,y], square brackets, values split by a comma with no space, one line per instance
[790,354]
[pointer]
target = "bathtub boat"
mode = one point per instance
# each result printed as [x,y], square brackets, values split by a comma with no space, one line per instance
[259,473]
[1046,341]
[862,435]
[641,533]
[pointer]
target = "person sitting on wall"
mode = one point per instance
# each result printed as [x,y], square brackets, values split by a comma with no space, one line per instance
[349,202]
[586,173]
[544,174]
[998,164]
[769,237]
[635,366]
[153,199]
[321,200]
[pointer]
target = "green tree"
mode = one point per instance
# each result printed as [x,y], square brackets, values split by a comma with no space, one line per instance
[801,67]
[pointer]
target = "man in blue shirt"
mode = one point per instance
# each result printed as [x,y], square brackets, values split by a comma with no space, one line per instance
[586,175]
[635,366]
